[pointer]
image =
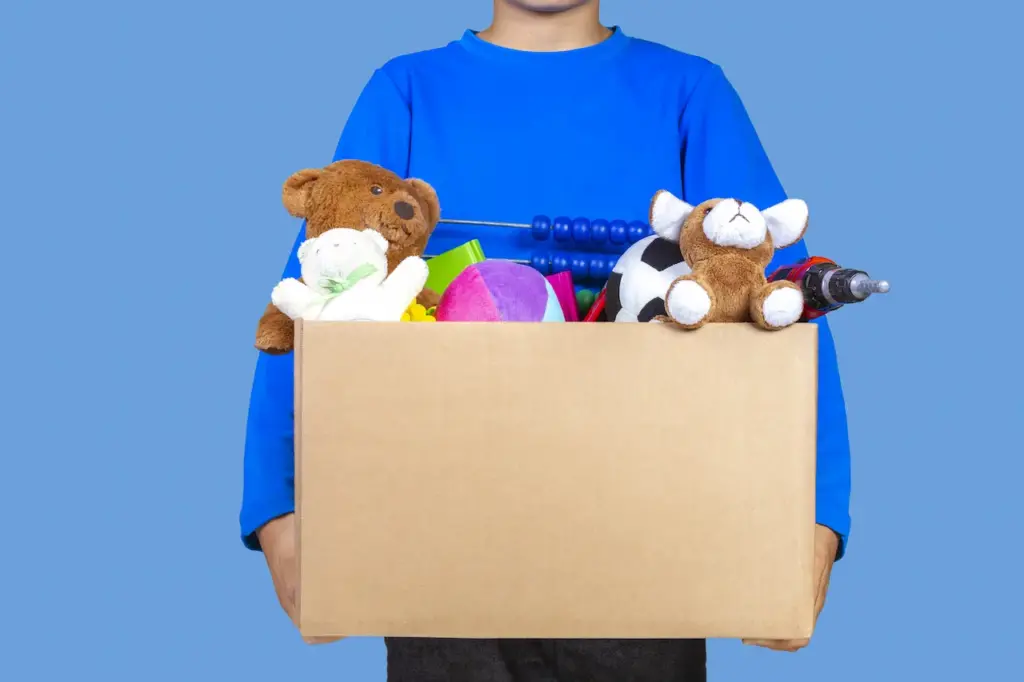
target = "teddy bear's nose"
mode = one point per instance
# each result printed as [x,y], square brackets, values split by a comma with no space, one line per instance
[404,210]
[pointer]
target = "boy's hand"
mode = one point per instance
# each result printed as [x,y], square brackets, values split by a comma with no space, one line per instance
[826,545]
[279,547]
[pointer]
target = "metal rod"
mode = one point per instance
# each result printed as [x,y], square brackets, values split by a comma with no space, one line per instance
[513,260]
[449,221]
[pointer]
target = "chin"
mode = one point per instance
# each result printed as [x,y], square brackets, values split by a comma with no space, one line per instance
[548,5]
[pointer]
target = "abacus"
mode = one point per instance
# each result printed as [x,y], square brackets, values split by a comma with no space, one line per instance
[614,236]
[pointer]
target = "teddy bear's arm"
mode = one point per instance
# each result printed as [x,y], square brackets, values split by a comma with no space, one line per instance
[427,298]
[690,301]
[275,332]
[293,298]
[404,284]
[777,305]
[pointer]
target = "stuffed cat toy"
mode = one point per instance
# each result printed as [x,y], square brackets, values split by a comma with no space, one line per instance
[728,244]
[345,279]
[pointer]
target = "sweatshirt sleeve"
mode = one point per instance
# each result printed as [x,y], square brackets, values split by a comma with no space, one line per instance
[722,156]
[377,131]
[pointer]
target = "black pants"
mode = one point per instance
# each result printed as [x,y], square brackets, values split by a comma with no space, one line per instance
[476,660]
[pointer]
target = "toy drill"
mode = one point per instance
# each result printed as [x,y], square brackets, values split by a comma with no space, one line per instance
[826,286]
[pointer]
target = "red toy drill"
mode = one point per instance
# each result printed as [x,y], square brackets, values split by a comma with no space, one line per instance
[826,286]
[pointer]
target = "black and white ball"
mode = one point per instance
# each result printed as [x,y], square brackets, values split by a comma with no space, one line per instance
[640,279]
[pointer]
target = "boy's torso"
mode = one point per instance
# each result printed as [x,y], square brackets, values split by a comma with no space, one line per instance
[501,144]
[505,146]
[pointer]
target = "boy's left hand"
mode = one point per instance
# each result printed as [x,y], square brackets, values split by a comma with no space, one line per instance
[826,544]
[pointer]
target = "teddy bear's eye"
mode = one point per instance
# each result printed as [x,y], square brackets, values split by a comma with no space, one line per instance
[377,190]
[707,211]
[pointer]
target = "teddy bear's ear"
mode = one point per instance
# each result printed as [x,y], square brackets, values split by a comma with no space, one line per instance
[428,200]
[377,238]
[668,214]
[296,190]
[787,222]
[304,249]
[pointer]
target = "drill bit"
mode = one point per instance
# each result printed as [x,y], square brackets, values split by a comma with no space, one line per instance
[862,287]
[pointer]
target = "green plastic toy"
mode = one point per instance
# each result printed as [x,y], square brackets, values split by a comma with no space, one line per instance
[584,299]
[447,266]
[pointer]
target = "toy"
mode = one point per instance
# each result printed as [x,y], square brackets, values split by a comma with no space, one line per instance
[583,266]
[826,286]
[594,244]
[447,266]
[345,278]
[585,300]
[356,195]
[561,283]
[499,291]
[728,244]
[637,284]
[417,313]
[563,229]
[598,307]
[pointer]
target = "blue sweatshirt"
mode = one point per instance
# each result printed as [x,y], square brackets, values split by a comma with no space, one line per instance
[503,135]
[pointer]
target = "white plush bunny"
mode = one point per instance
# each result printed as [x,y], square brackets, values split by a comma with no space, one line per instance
[345,278]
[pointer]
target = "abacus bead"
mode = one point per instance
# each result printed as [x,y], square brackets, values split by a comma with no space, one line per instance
[617,231]
[584,299]
[581,230]
[542,263]
[579,267]
[598,267]
[541,227]
[636,231]
[559,263]
[599,231]
[562,229]
[609,263]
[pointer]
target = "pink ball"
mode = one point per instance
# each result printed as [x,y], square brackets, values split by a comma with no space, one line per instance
[499,291]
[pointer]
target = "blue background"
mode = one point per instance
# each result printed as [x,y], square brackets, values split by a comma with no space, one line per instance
[142,150]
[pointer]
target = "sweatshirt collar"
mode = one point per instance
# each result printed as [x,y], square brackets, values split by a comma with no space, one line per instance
[599,51]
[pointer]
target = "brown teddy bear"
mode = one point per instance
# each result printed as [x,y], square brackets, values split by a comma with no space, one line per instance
[358,195]
[728,244]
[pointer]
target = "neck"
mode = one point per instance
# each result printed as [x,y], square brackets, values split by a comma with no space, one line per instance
[518,28]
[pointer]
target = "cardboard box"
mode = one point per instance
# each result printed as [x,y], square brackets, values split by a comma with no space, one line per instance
[555,480]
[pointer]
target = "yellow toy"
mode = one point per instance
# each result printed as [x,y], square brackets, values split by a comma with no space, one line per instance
[417,313]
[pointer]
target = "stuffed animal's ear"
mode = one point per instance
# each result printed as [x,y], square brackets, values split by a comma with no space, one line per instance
[428,200]
[305,248]
[668,214]
[296,190]
[377,238]
[787,222]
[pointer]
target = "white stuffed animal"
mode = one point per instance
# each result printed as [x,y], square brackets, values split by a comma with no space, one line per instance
[345,278]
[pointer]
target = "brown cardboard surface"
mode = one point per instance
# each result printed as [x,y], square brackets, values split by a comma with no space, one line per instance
[555,480]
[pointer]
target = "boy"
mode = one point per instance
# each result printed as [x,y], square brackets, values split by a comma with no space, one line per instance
[546,111]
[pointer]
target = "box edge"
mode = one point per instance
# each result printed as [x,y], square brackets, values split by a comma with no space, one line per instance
[297,463]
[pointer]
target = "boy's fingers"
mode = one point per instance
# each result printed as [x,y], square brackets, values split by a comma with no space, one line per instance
[778,645]
[321,640]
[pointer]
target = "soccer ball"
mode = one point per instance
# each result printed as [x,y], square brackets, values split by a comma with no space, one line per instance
[640,279]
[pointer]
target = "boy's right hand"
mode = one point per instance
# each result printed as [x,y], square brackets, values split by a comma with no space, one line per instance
[278,540]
